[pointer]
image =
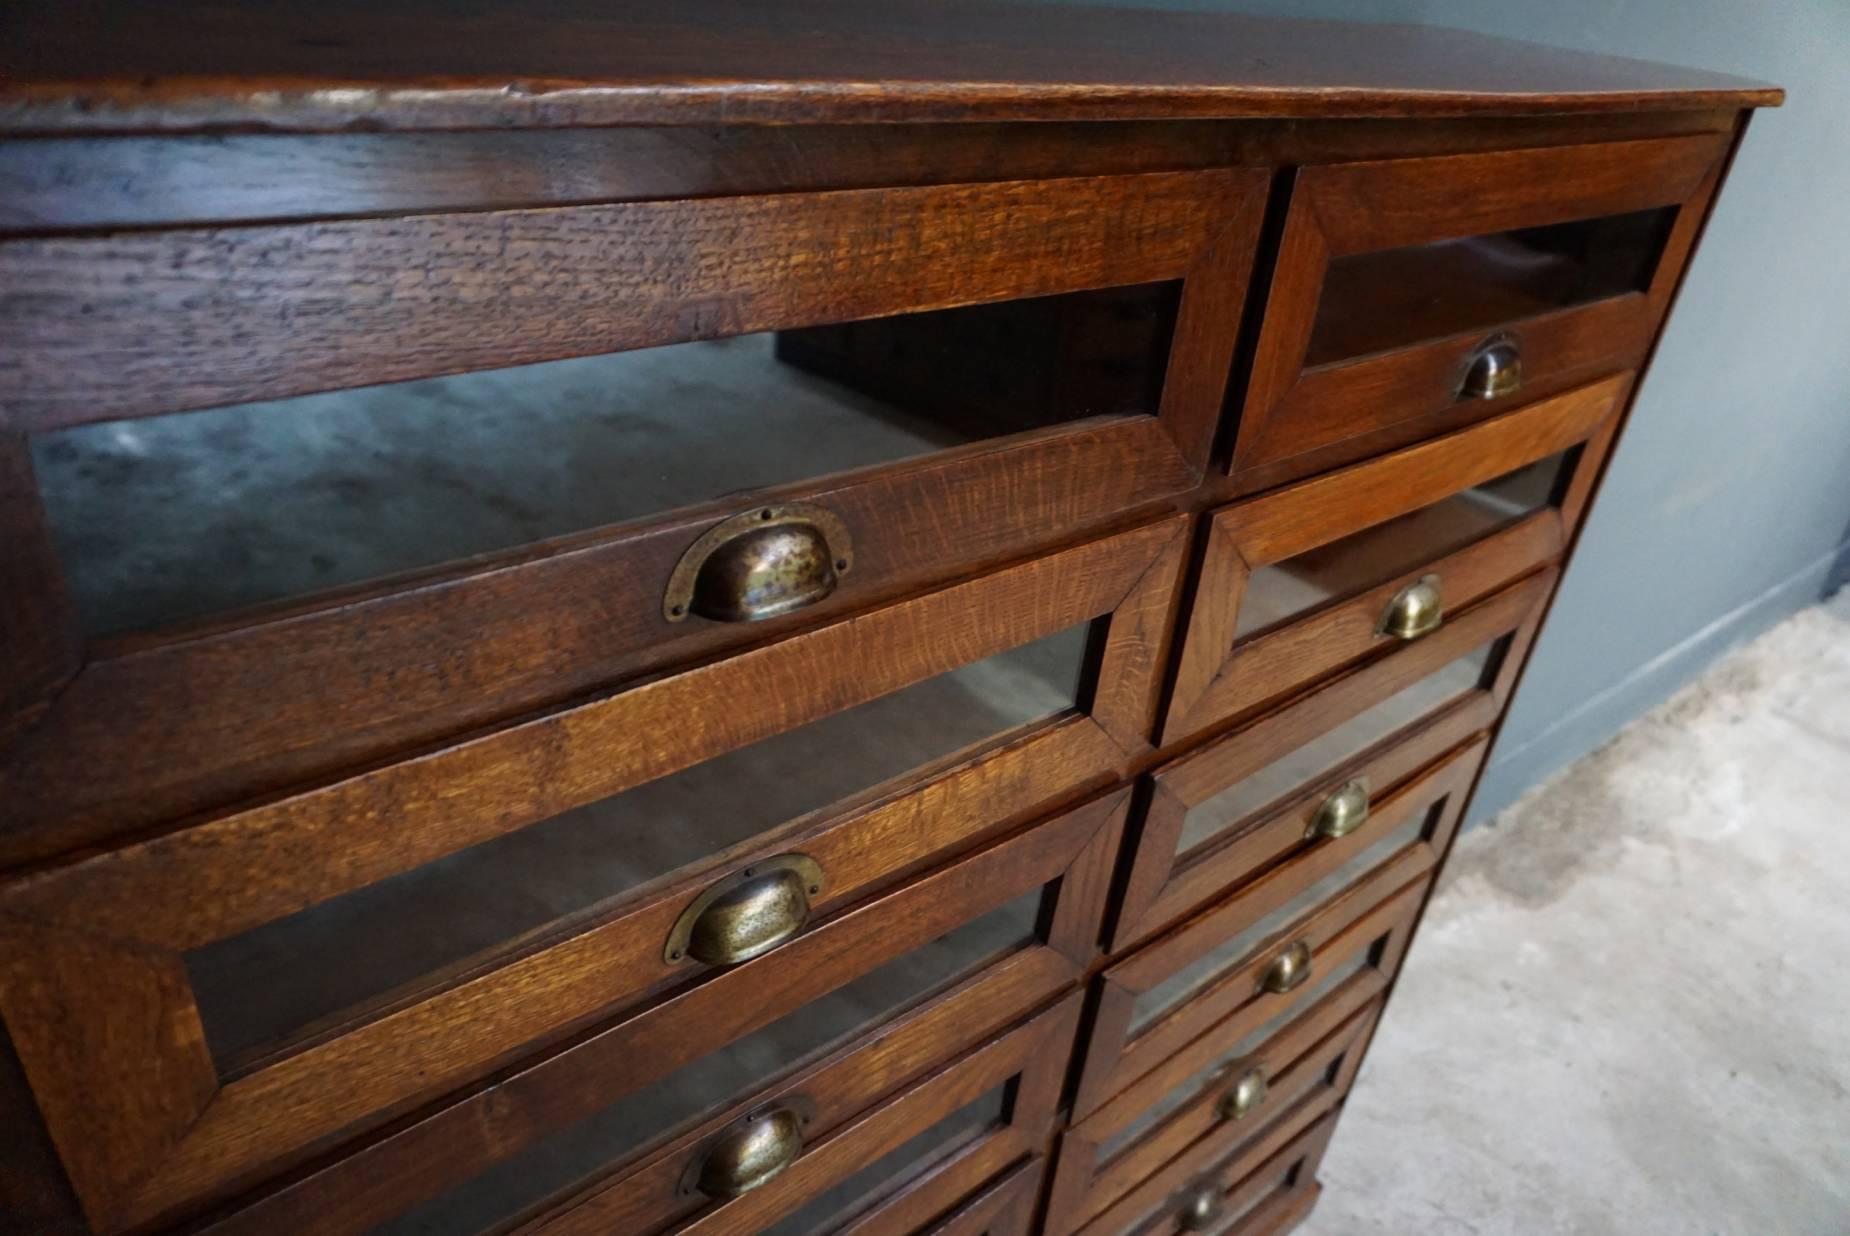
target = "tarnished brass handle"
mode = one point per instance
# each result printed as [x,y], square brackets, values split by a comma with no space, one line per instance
[1344,811]
[750,1153]
[1289,969]
[760,564]
[1244,1097]
[746,914]
[1495,369]
[1416,610]
[1201,1207]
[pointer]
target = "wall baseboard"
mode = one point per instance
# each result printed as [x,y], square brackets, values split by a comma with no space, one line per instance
[1601,716]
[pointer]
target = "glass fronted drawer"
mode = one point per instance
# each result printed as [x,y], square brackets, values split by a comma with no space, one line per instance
[1299,584]
[1224,1096]
[1336,911]
[1214,817]
[597,1006]
[351,487]
[1413,296]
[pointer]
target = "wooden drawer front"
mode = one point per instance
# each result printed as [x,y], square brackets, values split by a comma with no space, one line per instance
[1242,1199]
[1104,1184]
[1334,910]
[447,896]
[1223,811]
[1005,1208]
[312,682]
[899,1168]
[1300,583]
[150,1124]
[1394,277]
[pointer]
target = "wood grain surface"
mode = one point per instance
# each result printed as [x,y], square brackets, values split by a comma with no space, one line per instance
[107,66]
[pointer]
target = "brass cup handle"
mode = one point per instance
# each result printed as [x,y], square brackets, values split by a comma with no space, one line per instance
[1344,811]
[1244,1097]
[751,1152]
[1289,969]
[747,914]
[1416,610]
[1494,370]
[761,564]
[1201,1206]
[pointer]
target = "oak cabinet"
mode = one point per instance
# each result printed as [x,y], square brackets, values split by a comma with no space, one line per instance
[769,620]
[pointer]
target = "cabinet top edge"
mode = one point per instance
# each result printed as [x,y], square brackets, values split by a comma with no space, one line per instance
[99,66]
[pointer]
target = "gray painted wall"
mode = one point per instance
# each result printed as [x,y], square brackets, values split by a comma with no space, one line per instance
[1729,500]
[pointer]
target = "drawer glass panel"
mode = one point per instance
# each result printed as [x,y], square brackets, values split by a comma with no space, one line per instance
[168,519]
[1392,298]
[1175,1099]
[832,1208]
[1212,817]
[266,985]
[1362,560]
[570,1157]
[1207,969]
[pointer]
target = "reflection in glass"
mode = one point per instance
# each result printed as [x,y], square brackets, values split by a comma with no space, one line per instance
[1393,298]
[572,1155]
[1362,560]
[1175,1099]
[1207,969]
[172,518]
[1240,801]
[275,980]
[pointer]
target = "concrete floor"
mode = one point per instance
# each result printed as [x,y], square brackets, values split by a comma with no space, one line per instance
[1629,1008]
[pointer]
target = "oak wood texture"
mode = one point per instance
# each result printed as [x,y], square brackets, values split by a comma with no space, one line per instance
[1005,1208]
[234,206]
[293,692]
[1030,1057]
[1341,209]
[465,1133]
[164,1131]
[413,64]
[1165,881]
[144,323]
[864,656]
[1271,1197]
[1221,676]
[1119,1051]
[1311,1062]
[37,628]
[84,183]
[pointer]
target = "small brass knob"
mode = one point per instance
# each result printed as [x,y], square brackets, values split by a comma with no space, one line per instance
[1201,1208]
[1289,969]
[1344,811]
[1494,370]
[747,914]
[750,1154]
[1244,1097]
[759,565]
[1416,610]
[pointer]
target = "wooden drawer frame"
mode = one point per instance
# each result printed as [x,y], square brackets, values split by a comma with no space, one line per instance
[1221,676]
[1299,420]
[1033,1055]
[1331,1035]
[362,1187]
[1005,1208]
[1117,1057]
[1279,1191]
[177,1134]
[1162,885]
[285,694]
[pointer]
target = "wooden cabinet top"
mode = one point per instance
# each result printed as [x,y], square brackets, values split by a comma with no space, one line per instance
[96,66]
